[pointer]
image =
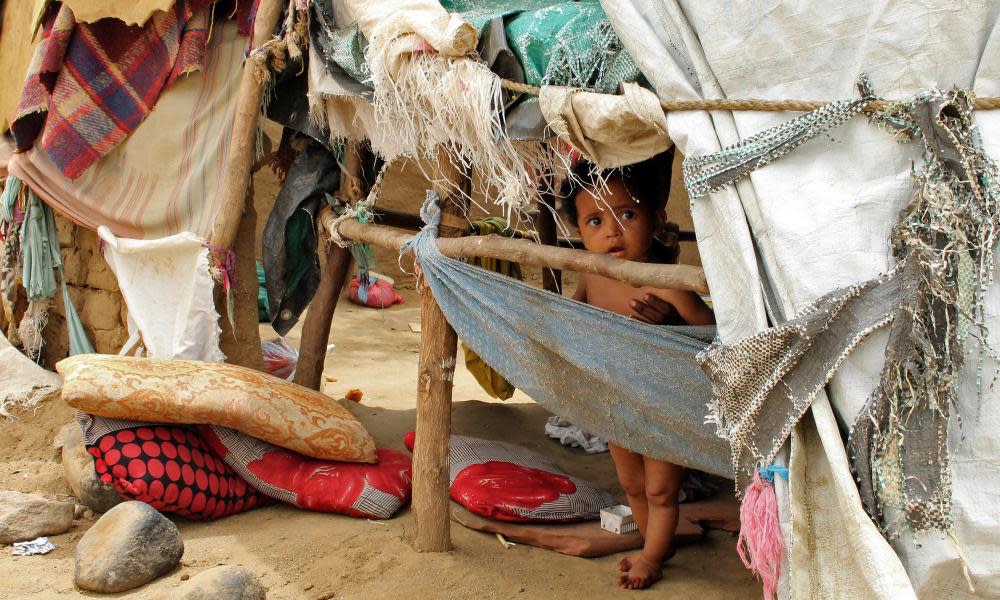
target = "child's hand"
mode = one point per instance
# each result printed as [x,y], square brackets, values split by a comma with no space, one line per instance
[653,309]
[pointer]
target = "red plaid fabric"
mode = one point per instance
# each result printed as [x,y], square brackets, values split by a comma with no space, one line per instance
[91,84]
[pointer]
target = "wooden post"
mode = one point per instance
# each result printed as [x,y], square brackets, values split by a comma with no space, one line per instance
[438,345]
[316,328]
[243,142]
[551,278]
[240,341]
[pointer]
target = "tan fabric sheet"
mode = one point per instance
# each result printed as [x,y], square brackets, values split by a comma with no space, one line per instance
[22,382]
[16,49]
[611,131]
[167,176]
[133,12]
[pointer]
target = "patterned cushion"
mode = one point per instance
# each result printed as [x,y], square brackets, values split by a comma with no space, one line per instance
[197,393]
[505,482]
[172,470]
[358,490]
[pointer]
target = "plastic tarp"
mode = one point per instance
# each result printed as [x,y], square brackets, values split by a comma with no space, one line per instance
[818,219]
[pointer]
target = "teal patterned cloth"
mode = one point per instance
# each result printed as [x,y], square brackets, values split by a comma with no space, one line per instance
[556,42]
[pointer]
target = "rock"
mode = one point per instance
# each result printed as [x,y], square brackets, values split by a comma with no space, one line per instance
[132,544]
[28,516]
[221,583]
[78,468]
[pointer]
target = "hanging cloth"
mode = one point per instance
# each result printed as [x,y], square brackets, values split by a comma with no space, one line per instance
[493,383]
[637,385]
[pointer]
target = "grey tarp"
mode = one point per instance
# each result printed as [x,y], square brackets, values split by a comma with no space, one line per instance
[819,219]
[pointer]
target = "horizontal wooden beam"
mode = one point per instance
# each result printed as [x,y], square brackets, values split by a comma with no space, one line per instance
[679,277]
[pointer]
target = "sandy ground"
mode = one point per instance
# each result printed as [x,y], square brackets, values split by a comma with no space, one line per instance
[319,556]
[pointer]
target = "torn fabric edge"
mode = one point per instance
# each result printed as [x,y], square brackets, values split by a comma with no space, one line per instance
[763,384]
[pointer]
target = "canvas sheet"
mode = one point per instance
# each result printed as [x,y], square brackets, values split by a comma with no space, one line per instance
[820,219]
[166,177]
[22,382]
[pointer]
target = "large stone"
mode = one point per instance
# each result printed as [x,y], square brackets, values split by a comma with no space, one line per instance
[78,468]
[100,309]
[221,583]
[28,516]
[131,545]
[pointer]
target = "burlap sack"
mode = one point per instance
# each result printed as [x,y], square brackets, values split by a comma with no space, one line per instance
[193,392]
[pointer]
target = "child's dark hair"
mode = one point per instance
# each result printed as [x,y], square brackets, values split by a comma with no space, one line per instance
[641,180]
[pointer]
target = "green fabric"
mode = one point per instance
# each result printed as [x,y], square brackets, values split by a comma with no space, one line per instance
[492,382]
[41,258]
[263,308]
[558,42]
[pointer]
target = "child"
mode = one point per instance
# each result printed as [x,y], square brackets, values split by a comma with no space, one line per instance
[620,222]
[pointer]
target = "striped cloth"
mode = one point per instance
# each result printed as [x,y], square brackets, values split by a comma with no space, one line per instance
[166,177]
[90,85]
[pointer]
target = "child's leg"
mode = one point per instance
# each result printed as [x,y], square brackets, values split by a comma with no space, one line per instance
[631,471]
[662,484]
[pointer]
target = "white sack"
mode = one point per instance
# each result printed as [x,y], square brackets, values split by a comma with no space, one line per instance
[168,288]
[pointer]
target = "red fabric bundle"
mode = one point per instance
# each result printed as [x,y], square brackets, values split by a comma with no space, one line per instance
[505,482]
[380,294]
[172,470]
[355,489]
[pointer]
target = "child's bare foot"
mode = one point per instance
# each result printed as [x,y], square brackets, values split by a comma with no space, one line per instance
[641,574]
[625,564]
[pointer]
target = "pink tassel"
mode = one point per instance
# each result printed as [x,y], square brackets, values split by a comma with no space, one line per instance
[761,544]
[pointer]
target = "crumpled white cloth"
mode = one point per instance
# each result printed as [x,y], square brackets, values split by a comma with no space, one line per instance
[168,288]
[571,435]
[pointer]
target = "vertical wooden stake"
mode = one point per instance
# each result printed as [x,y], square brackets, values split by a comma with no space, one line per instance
[551,278]
[438,345]
[243,346]
[316,328]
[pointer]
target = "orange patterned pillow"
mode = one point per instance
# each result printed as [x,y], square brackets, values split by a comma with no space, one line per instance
[202,393]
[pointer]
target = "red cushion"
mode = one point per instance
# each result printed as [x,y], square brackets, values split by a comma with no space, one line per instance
[172,470]
[505,482]
[356,489]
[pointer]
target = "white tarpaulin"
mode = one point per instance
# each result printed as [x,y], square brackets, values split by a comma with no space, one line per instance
[820,218]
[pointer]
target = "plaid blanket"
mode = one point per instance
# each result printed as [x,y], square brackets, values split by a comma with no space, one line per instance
[91,84]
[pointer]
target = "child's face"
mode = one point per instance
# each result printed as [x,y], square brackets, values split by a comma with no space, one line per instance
[614,223]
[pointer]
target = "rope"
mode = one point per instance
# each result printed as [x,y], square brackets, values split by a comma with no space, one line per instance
[752,104]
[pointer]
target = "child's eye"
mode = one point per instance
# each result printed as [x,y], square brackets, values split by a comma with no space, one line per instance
[628,215]
[594,221]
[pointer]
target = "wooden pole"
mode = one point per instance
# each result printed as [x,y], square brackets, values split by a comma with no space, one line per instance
[438,345]
[679,277]
[243,146]
[316,328]
[551,278]
[240,341]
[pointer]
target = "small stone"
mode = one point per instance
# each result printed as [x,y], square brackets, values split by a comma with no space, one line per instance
[185,577]
[78,469]
[221,583]
[132,544]
[89,514]
[78,511]
[28,516]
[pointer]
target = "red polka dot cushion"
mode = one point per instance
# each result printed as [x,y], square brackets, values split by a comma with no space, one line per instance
[171,469]
[355,489]
[505,482]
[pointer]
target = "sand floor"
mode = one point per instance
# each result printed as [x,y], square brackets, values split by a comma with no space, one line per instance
[301,555]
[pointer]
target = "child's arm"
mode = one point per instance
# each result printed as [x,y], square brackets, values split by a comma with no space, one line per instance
[657,308]
[580,295]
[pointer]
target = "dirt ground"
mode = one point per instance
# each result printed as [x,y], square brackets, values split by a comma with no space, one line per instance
[301,555]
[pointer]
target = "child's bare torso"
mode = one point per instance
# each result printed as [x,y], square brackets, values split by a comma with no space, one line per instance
[617,297]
